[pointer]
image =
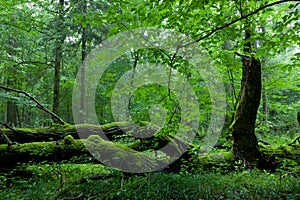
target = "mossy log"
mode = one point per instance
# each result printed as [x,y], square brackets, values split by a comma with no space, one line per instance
[112,132]
[58,132]
[58,143]
[280,152]
[11,155]
[65,149]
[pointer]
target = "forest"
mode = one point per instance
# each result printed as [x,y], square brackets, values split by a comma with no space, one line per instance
[149,99]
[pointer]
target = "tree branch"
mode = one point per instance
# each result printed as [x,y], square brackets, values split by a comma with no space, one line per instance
[9,127]
[237,20]
[38,104]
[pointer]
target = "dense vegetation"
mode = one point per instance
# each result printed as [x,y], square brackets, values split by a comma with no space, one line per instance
[45,53]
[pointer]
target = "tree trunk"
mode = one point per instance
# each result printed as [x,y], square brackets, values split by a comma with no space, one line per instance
[27,135]
[116,131]
[11,106]
[83,57]
[58,58]
[245,144]
[11,113]
[265,106]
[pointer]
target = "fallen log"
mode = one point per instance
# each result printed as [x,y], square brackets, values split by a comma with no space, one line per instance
[105,151]
[11,155]
[63,142]
[116,131]
[108,131]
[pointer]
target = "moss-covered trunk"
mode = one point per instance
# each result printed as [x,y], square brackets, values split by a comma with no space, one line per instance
[61,143]
[110,131]
[245,143]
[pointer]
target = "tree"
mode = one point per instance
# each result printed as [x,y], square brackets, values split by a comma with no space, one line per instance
[58,51]
[245,144]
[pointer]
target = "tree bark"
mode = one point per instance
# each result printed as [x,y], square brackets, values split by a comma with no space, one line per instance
[11,155]
[26,135]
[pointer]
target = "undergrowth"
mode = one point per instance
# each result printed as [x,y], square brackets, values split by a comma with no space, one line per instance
[69,181]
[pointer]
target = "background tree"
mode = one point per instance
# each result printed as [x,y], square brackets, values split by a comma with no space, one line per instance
[58,52]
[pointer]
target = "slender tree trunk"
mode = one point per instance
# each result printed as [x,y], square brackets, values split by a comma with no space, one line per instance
[83,56]
[56,85]
[264,91]
[11,106]
[245,145]
[58,59]
[265,105]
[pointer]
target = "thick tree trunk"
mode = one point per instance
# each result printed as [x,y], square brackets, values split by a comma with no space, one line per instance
[65,149]
[245,144]
[11,155]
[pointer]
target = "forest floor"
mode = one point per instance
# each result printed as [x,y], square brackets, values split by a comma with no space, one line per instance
[95,181]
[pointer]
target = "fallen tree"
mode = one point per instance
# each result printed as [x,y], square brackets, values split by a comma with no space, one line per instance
[63,142]
[116,131]
[65,149]
[57,132]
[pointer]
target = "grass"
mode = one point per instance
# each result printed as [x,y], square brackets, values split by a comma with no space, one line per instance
[64,181]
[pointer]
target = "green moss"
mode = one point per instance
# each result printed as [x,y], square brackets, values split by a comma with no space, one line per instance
[114,154]
[212,160]
[107,126]
[69,140]
[96,141]
[229,156]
